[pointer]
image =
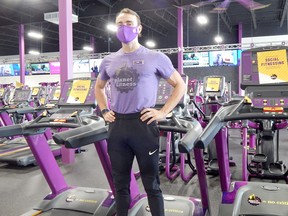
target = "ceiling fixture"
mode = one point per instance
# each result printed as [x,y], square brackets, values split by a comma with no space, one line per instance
[112,27]
[53,17]
[87,48]
[221,7]
[150,44]
[35,35]
[218,39]
[202,19]
[34,52]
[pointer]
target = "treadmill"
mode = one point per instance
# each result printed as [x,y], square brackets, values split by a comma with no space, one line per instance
[266,99]
[15,150]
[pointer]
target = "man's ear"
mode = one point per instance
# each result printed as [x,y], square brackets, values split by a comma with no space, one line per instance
[139,29]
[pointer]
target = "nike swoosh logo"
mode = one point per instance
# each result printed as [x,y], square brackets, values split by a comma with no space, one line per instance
[151,153]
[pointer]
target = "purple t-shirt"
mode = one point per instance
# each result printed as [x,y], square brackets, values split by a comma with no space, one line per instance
[134,78]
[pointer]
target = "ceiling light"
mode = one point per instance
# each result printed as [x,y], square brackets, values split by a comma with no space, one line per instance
[34,52]
[202,19]
[87,48]
[218,39]
[150,44]
[53,17]
[112,27]
[35,35]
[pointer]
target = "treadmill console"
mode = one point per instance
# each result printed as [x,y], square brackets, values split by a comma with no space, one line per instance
[265,77]
[2,90]
[165,90]
[22,95]
[268,95]
[213,86]
[77,99]
[264,65]
[77,92]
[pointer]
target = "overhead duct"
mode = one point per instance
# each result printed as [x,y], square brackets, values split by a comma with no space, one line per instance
[53,17]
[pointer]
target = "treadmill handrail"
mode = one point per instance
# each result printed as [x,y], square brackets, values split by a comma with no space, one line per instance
[209,132]
[84,135]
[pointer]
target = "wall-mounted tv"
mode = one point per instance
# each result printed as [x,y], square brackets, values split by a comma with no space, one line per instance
[6,70]
[38,68]
[223,58]
[54,67]
[195,59]
[16,68]
[94,65]
[81,66]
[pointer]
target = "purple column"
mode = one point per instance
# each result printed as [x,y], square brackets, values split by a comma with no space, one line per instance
[65,40]
[180,40]
[22,53]
[240,35]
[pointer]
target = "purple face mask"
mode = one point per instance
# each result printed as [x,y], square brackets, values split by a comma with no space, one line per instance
[126,34]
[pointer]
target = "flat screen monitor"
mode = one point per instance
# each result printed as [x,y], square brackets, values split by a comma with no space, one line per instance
[54,67]
[94,65]
[223,58]
[39,68]
[265,65]
[6,70]
[195,59]
[81,66]
[16,68]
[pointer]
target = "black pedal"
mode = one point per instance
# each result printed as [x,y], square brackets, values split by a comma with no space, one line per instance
[259,158]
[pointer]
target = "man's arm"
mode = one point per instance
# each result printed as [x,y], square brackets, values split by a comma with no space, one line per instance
[101,99]
[179,90]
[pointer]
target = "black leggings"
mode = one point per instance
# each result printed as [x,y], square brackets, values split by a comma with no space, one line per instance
[128,136]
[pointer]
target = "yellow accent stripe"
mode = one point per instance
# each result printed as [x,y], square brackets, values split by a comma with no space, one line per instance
[37,213]
[12,152]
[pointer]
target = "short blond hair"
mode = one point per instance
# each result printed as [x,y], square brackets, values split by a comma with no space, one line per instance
[129,11]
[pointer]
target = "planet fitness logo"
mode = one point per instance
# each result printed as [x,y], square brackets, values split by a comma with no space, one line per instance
[254,200]
[126,79]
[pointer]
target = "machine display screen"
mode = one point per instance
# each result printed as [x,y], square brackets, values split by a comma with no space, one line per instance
[1,92]
[264,66]
[22,95]
[213,84]
[165,90]
[78,91]
[35,91]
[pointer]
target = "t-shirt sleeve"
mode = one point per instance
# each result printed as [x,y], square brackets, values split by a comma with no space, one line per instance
[102,70]
[164,65]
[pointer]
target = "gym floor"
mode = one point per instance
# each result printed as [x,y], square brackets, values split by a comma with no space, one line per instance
[23,187]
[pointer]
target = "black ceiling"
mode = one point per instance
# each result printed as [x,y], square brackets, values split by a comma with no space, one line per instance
[159,19]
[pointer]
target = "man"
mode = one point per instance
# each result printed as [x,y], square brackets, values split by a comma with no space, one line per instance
[134,72]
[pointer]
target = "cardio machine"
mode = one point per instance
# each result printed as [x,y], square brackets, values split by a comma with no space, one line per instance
[244,198]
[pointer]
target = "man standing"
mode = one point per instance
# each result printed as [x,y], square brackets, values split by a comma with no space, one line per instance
[134,72]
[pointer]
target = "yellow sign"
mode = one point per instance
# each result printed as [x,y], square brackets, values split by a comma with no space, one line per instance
[272,66]
[213,84]
[35,91]
[19,84]
[79,91]
[56,94]
[1,91]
